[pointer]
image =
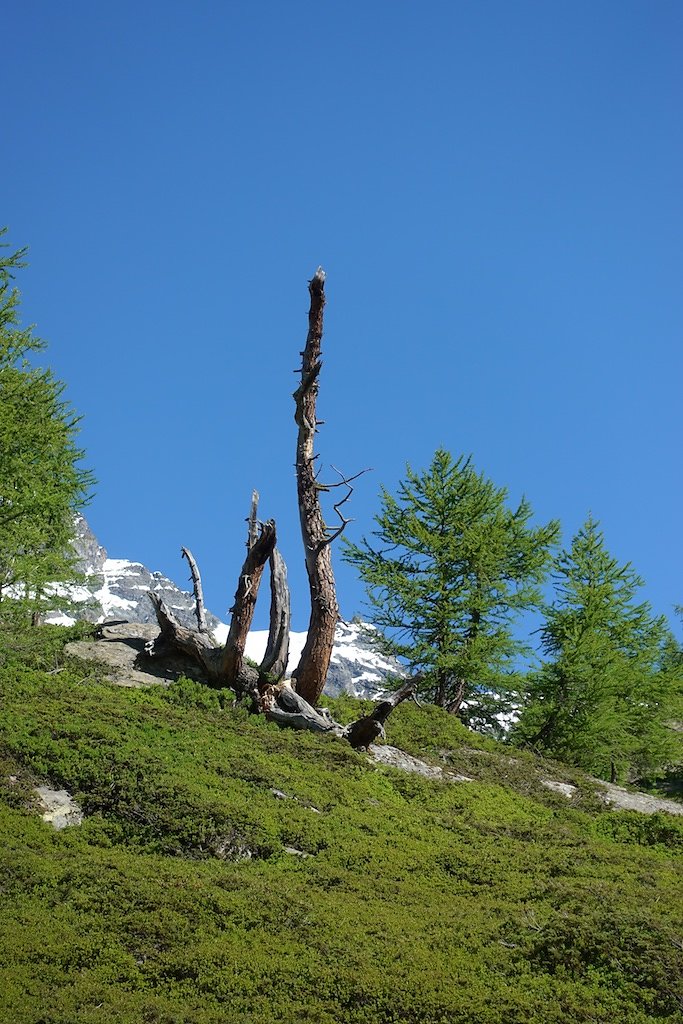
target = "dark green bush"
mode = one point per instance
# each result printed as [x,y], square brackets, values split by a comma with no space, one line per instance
[643,829]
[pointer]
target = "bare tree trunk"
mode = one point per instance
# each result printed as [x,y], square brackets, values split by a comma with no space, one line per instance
[456,697]
[228,667]
[259,550]
[274,664]
[311,672]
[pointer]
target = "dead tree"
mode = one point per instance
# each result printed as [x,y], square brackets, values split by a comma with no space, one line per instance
[311,672]
[288,702]
[227,666]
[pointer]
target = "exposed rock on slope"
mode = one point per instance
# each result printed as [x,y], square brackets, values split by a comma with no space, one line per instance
[59,808]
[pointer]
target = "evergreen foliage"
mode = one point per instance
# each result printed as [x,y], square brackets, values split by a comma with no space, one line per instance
[606,697]
[41,481]
[450,568]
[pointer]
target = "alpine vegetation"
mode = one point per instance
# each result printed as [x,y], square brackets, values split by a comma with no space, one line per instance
[41,480]
[448,569]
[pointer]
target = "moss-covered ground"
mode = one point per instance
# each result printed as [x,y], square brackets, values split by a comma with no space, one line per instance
[179,899]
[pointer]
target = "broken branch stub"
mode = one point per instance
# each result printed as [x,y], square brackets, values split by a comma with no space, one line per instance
[365,730]
[252,534]
[258,554]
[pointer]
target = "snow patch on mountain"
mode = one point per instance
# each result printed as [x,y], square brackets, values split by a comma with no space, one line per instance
[357,663]
[114,571]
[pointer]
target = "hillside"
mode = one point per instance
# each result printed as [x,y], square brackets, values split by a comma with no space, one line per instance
[228,871]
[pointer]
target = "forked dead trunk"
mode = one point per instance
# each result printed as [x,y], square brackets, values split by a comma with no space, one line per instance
[286,702]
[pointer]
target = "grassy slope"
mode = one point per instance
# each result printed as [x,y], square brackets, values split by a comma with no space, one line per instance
[492,902]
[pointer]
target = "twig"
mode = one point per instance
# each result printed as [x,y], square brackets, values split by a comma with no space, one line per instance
[348,479]
[344,482]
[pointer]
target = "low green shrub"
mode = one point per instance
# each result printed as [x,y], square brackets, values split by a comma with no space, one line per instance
[643,829]
[229,872]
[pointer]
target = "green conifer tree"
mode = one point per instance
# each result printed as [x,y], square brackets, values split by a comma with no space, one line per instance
[449,569]
[605,698]
[41,481]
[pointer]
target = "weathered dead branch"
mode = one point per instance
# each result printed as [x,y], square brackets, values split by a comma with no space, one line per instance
[173,635]
[200,611]
[282,704]
[331,532]
[366,730]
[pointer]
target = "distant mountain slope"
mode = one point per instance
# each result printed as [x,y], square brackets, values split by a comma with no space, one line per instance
[118,588]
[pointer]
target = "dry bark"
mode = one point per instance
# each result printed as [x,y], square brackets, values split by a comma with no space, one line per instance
[311,672]
[200,611]
[260,546]
[274,664]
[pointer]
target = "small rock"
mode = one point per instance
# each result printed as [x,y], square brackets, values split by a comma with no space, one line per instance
[559,787]
[625,800]
[297,853]
[406,762]
[279,795]
[61,809]
[228,848]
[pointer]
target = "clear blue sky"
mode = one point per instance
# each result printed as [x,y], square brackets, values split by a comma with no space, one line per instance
[493,188]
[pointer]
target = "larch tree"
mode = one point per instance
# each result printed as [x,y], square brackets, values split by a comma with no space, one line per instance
[447,570]
[611,685]
[42,482]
